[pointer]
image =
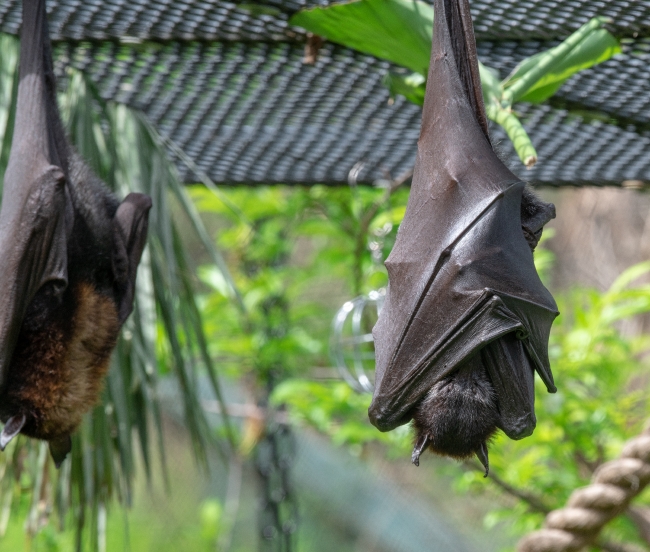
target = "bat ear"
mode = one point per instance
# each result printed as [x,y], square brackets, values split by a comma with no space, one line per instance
[129,238]
[11,429]
[59,449]
[535,213]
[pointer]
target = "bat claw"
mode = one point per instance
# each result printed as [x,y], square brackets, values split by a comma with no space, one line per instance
[482,455]
[420,445]
[11,429]
[59,449]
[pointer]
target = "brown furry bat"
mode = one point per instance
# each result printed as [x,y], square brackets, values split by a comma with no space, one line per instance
[69,251]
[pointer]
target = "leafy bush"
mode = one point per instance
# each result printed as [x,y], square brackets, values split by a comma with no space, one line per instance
[302,245]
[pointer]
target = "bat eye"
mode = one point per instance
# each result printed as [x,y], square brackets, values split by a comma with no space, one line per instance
[49,295]
[521,334]
[57,287]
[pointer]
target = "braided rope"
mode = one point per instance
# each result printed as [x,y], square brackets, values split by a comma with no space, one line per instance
[590,508]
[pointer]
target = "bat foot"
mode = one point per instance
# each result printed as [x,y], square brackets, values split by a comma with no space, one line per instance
[59,449]
[420,445]
[11,429]
[482,455]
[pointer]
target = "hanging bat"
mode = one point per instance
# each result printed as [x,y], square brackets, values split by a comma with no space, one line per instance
[69,254]
[466,319]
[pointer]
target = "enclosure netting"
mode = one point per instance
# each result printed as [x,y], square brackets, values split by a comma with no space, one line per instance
[227,84]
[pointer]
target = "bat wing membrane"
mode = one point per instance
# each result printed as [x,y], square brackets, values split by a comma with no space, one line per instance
[482,288]
[396,394]
[462,282]
[33,222]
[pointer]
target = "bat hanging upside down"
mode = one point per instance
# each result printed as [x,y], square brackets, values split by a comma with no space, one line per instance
[70,252]
[466,319]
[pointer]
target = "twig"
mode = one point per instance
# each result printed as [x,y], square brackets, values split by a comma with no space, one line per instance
[247,410]
[535,503]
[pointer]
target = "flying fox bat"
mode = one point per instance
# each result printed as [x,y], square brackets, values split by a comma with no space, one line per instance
[466,319]
[69,251]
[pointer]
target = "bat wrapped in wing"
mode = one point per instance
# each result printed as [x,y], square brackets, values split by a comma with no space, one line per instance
[466,320]
[69,251]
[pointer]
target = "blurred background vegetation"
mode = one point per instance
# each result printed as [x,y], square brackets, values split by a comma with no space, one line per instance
[293,259]
[224,424]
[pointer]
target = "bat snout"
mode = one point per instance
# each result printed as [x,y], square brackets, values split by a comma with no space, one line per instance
[520,428]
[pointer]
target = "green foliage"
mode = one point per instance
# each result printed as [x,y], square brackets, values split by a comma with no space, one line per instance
[292,250]
[544,258]
[260,240]
[538,77]
[210,514]
[159,520]
[339,412]
[412,86]
[400,31]
[396,30]
[601,402]
[293,243]
[300,245]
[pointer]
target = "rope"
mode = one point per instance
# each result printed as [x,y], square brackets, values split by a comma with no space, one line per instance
[589,509]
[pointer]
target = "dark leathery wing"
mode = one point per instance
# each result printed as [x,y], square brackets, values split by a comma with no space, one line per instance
[466,318]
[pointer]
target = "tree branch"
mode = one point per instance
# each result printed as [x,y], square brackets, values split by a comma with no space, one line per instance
[534,502]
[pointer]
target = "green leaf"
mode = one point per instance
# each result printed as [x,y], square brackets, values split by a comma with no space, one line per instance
[8,93]
[401,30]
[412,86]
[396,30]
[538,77]
[490,84]
[516,132]
[628,276]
